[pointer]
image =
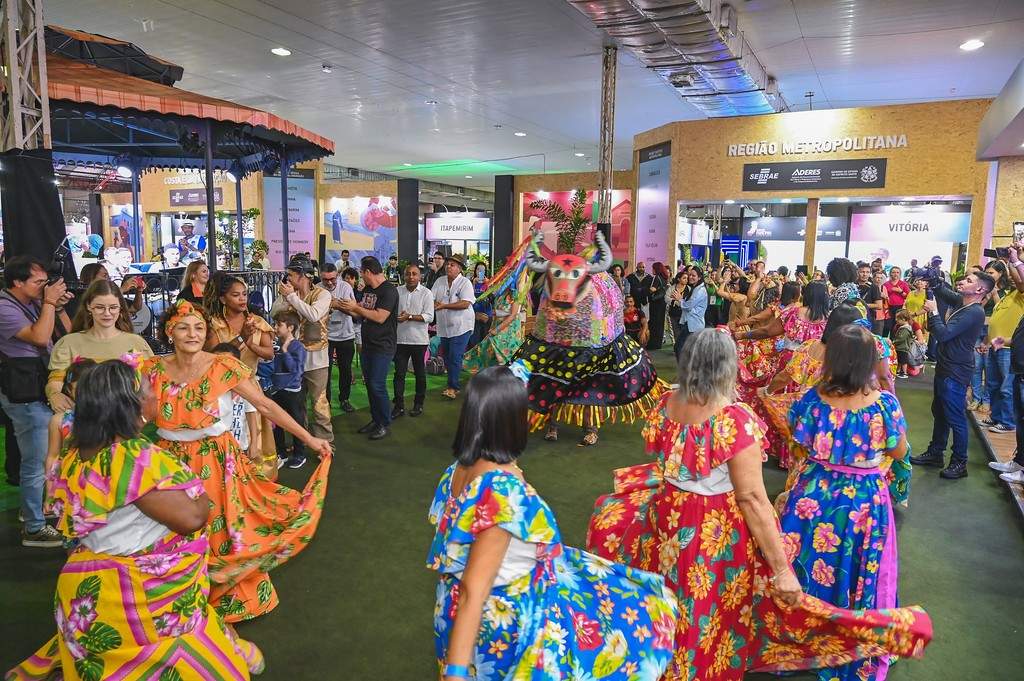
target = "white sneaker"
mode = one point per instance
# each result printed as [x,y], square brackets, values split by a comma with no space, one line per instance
[1010,466]
[1017,477]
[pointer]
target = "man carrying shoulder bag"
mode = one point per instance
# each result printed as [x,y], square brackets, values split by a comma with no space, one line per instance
[29,310]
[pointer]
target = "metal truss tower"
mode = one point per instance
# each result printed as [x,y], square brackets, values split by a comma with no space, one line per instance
[606,150]
[24,102]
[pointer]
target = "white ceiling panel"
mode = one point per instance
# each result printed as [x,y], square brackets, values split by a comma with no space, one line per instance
[531,66]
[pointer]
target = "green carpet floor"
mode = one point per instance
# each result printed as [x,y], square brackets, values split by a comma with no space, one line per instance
[358,603]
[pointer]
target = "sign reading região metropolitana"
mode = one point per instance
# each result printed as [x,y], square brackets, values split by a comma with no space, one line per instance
[817,146]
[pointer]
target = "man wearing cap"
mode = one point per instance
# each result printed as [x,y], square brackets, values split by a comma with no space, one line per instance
[313,305]
[453,310]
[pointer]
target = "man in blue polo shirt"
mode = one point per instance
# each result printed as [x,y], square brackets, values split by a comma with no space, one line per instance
[955,337]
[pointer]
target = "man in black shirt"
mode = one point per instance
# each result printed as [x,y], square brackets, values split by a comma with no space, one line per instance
[379,312]
[869,293]
[640,286]
[956,338]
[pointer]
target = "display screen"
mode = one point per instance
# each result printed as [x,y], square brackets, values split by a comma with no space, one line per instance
[464,226]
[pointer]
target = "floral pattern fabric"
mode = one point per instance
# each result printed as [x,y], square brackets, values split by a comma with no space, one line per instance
[574,616]
[729,623]
[838,518]
[143,616]
[757,364]
[255,524]
[798,330]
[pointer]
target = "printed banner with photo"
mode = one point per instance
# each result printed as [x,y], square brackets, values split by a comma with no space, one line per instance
[899,234]
[363,225]
[621,219]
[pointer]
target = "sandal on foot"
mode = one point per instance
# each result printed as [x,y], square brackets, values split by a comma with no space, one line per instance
[551,435]
[589,439]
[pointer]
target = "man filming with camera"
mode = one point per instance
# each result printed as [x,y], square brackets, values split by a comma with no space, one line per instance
[30,309]
[955,338]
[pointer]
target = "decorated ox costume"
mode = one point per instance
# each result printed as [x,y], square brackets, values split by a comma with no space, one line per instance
[584,368]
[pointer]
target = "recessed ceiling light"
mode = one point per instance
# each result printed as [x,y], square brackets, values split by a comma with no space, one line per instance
[730,201]
[407,165]
[579,154]
[437,129]
[972,45]
[843,199]
[786,200]
[519,134]
[326,68]
[469,177]
[431,102]
[281,51]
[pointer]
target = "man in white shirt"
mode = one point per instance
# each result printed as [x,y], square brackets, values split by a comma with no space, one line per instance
[453,309]
[415,313]
[344,263]
[341,335]
[313,305]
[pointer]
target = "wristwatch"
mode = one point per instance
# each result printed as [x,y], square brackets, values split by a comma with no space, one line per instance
[239,339]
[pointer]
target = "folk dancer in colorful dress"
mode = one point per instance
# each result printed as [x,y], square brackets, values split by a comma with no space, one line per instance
[255,524]
[838,519]
[132,599]
[700,516]
[513,601]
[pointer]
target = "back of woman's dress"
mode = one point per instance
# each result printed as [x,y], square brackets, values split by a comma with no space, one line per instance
[255,524]
[564,614]
[142,611]
[678,516]
[838,518]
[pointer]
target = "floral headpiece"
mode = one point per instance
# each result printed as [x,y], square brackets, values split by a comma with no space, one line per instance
[866,323]
[135,360]
[182,310]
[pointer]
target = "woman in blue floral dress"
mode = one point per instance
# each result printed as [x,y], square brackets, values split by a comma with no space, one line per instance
[513,602]
[838,519]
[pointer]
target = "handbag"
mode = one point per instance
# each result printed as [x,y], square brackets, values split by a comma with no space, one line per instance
[23,379]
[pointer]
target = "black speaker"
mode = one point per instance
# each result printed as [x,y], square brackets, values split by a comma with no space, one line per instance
[33,217]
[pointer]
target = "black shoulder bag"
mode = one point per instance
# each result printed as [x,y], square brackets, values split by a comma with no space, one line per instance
[23,379]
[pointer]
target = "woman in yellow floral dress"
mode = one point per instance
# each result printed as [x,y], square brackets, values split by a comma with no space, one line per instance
[700,516]
[255,524]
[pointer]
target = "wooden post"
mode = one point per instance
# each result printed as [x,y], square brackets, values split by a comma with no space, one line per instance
[811,235]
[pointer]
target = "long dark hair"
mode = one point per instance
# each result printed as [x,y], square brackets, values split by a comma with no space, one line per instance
[815,299]
[101,287]
[850,361]
[700,282]
[221,285]
[493,422]
[845,313]
[108,406]
[790,292]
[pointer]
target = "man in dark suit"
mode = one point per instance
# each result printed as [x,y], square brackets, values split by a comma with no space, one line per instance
[640,286]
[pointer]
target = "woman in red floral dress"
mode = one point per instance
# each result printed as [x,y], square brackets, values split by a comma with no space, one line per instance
[700,516]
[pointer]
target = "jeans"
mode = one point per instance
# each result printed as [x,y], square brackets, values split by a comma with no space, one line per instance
[341,352]
[1018,415]
[453,350]
[979,391]
[684,333]
[294,404]
[375,375]
[417,353]
[31,428]
[999,385]
[12,455]
[949,412]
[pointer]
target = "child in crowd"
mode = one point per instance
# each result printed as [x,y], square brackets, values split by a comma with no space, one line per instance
[904,333]
[245,420]
[286,390]
[60,424]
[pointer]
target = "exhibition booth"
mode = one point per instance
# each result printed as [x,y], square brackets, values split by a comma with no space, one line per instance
[804,187]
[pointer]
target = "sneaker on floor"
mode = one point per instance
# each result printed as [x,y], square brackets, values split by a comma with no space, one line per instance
[954,471]
[281,462]
[46,538]
[1017,477]
[987,422]
[1000,428]
[927,459]
[296,462]
[1010,466]
[347,407]
[902,375]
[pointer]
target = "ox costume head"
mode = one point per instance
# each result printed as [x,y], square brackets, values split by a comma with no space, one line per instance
[567,276]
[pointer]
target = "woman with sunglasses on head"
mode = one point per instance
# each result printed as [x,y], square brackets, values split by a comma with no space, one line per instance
[255,524]
[132,600]
[101,330]
[513,601]
[699,515]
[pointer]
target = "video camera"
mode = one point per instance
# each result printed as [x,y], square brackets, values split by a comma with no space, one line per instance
[63,267]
